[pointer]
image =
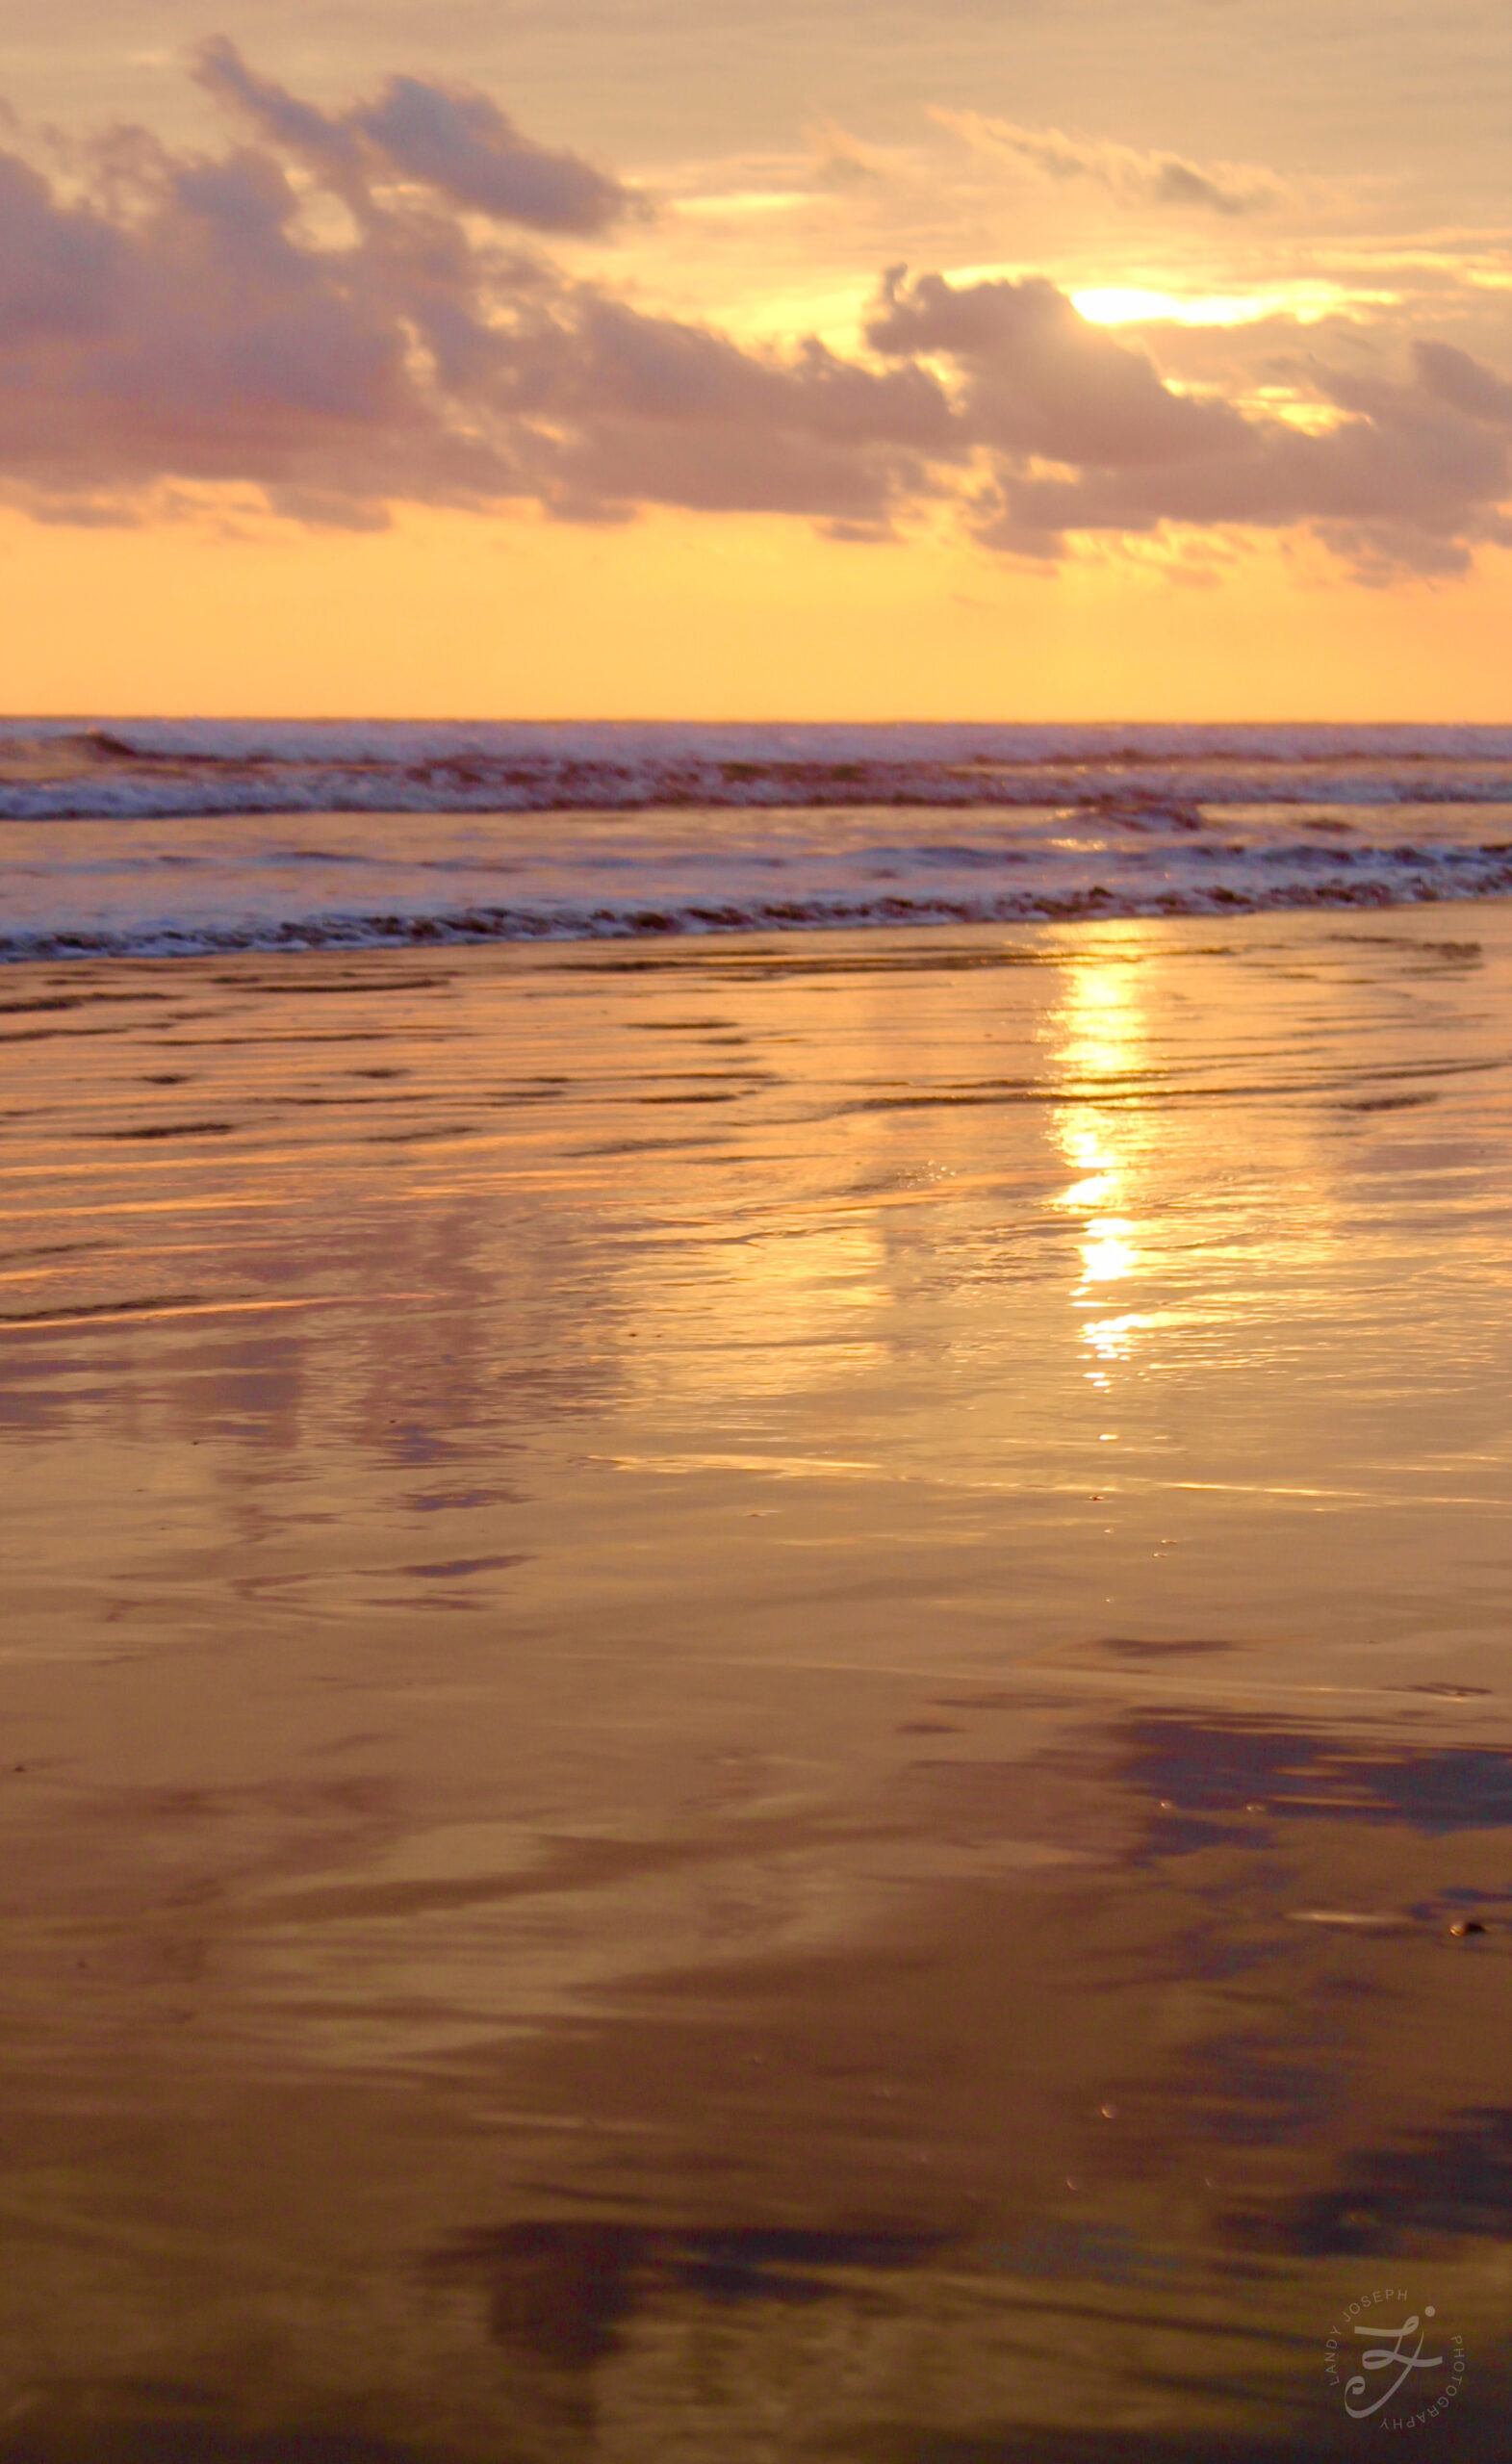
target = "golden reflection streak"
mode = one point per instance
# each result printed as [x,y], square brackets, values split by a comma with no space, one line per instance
[1101,1033]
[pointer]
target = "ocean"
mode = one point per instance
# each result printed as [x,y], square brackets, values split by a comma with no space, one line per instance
[164,836]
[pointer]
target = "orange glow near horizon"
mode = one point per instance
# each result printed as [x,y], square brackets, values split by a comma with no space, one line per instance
[693,617]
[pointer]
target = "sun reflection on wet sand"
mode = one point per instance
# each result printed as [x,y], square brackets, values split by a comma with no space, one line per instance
[1102,1043]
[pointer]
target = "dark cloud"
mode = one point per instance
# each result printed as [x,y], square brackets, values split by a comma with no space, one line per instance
[56,269]
[1043,381]
[316,316]
[453,141]
[1404,475]
[1414,486]
[1453,376]
[186,324]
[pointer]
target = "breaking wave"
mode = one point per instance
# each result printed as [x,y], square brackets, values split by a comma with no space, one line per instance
[56,769]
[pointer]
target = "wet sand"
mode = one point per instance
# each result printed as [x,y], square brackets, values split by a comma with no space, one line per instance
[746,1692]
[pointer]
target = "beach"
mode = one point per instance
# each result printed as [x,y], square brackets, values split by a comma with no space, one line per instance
[755,1690]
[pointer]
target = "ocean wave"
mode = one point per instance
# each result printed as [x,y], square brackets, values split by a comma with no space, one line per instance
[159,769]
[1284,880]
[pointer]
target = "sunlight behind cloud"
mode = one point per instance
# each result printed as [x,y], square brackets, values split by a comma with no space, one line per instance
[749,201]
[1308,301]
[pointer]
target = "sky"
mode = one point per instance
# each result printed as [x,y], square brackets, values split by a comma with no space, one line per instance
[547,358]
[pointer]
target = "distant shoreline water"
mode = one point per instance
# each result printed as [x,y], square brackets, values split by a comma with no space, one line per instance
[164,838]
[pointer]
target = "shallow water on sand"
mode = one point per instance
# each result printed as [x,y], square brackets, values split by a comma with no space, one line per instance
[747,1693]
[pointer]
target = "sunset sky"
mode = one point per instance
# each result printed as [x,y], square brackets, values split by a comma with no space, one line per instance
[990,358]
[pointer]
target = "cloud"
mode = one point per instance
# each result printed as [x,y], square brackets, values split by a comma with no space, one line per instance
[841,162]
[1453,376]
[56,269]
[315,317]
[1040,380]
[1136,178]
[450,139]
[186,324]
[1408,475]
